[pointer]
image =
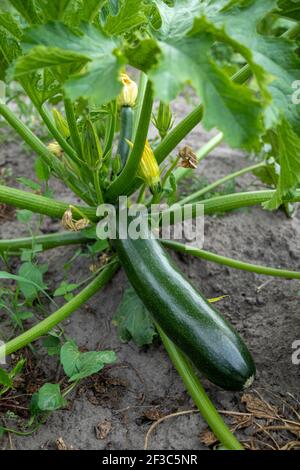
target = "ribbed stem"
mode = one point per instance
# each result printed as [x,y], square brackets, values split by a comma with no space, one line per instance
[56,209]
[228,203]
[198,194]
[199,396]
[75,137]
[34,142]
[40,204]
[61,314]
[232,263]
[47,242]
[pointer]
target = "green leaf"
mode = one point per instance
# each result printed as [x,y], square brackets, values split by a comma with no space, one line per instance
[41,169]
[131,15]
[28,9]
[22,280]
[230,107]
[79,365]
[177,20]
[289,9]
[52,344]
[54,44]
[49,398]
[64,289]
[288,155]
[5,379]
[71,12]
[10,24]
[9,51]
[24,216]
[30,272]
[275,56]
[133,320]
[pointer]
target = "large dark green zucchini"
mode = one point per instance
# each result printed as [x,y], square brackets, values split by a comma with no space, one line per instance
[186,317]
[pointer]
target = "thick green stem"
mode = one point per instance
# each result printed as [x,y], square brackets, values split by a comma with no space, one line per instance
[199,396]
[34,142]
[75,137]
[232,263]
[43,205]
[227,203]
[198,194]
[47,242]
[61,314]
[40,204]
[139,102]
[110,131]
[121,184]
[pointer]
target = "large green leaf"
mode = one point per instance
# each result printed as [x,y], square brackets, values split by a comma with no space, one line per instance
[238,23]
[230,107]
[71,12]
[131,14]
[290,9]
[54,45]
[287,151]
[28,9]
[176,21]
[9,51]
[10,24]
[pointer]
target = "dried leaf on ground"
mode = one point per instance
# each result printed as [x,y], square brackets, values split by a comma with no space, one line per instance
[103,429]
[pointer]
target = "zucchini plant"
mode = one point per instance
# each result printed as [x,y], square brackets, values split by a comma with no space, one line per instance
[94,70]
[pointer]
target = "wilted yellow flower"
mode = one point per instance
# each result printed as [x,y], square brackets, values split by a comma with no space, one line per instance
[188,158]
[69,223]
[55,148]
[129,92]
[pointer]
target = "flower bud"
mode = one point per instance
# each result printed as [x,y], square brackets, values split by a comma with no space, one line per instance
[61,123]
[164,119]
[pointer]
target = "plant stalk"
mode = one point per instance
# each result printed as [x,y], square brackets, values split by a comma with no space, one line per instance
[75,137]
[48,242]
[34,142]
[232,263]
[198,194]
[40,204]
[61,314]
[199,396]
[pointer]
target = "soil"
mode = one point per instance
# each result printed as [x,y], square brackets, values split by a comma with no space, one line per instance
[114,409]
